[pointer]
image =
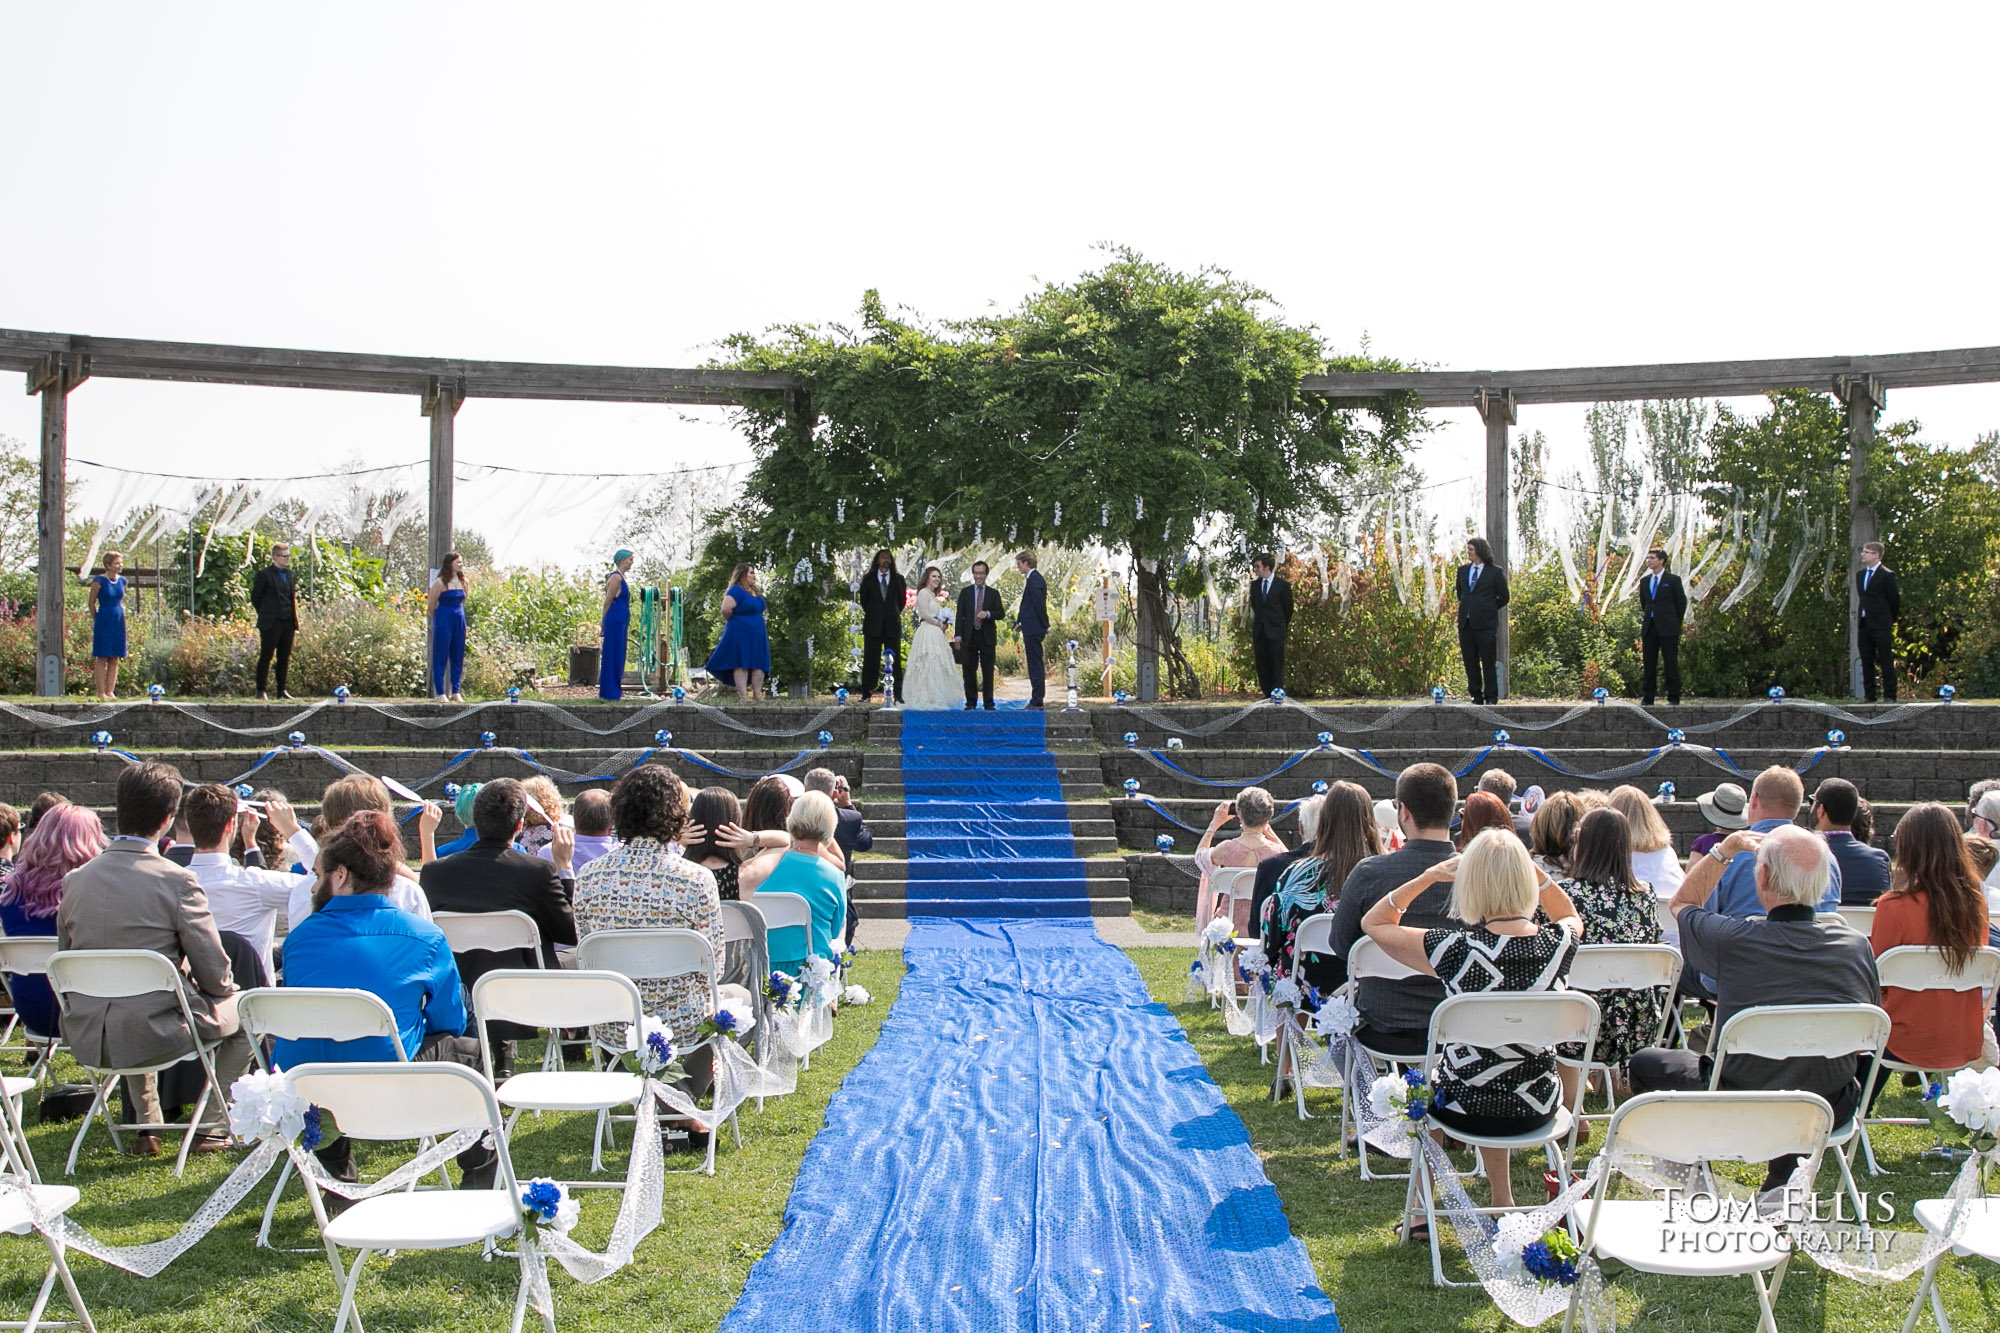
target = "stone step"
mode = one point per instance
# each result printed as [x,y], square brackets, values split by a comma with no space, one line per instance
[868,871]
[896,908]
[1101,845]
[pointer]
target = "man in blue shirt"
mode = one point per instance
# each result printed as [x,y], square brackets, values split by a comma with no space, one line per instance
[1775,799]
[358,939]
[1863,871]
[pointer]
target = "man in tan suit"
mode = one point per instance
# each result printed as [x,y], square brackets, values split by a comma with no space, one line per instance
[131,897]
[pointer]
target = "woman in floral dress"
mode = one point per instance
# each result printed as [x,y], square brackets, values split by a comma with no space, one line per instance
[1616,909]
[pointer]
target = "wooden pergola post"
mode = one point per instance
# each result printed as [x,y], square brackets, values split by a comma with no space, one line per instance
[1863,397]
[53,376]
[442,399]
[1496,409]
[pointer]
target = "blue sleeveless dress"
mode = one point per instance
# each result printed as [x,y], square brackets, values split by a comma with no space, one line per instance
[745,646]
[611,665]
[107,630]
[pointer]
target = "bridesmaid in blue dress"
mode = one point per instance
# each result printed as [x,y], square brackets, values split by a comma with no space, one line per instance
[617,622]
[743,654]
[448,591]
[107,624]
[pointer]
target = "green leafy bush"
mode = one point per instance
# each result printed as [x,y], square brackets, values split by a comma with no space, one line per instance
[1378,646]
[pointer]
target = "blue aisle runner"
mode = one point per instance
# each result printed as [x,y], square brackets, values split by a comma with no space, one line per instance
[1032,1146]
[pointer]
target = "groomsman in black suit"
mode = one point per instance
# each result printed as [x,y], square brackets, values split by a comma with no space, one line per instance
[1270,621]
[1032,619]
[274,596]
[1881,603]
[882,597]
[1482,591]
[1663,605]
[979,610]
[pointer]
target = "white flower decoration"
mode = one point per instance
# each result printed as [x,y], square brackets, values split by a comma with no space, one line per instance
[1515,1233]
[1286,994]
[1217,931]
[1337,1017]
[1972,1099]
[265,1106]
[1253,963]
[855,995]
[742,1020]
[1382,1095]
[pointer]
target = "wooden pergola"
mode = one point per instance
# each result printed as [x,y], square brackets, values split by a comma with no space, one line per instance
[56,363]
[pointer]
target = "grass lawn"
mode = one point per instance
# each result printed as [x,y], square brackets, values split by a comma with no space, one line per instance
[685,1278]
[1379,1286]
[1163,922]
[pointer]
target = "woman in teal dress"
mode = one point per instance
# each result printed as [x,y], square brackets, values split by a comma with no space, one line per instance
[743,654]
[617,621]
[107,624]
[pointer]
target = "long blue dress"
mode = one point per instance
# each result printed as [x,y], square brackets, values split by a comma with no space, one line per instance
[611,665]
[107,631]
[448,640]
[744,646]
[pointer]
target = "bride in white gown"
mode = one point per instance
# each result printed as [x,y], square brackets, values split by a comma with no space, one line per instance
[934,679]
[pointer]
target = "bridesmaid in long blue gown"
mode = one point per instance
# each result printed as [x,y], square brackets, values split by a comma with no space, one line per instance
[107,624]
[617,621]
[448,591]
[743,654]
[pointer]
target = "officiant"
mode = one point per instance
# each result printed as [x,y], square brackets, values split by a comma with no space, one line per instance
[979,612]
[882,594]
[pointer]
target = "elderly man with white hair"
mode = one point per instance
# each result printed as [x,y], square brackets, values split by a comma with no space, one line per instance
[1787,957]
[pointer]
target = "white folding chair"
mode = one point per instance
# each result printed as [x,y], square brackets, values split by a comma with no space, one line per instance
[1314,935]
[1861,918]
[743,924]
[387,1101]
[490,932]
[17,1216]
[309,1013]
[1980,1236]
[1916,967]
[660,955]
[783,911]
[564,999]
[1824,1031]
[26,956]
[123,974]
[1652,1235]
[1365,961]
[1486,1020]
[1602,967]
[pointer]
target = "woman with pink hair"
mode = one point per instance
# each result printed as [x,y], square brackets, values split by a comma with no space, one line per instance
[63,838]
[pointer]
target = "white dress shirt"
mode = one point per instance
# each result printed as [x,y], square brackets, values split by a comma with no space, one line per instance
[248,901]
[1661,869]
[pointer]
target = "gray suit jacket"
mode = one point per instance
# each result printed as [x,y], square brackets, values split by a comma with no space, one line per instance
[131,897]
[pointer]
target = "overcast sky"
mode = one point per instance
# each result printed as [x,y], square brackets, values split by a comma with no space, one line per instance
[1467,187]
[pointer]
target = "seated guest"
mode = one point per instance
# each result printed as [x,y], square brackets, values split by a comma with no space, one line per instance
[1255,844]
[545,812]
[1935,900]
[462,807]
[590,813]
[766,809]
[131,897]
[1863,826]
[1504,1090]
[1986,824]
[1616,908]
[360,940]
[1653,859]
[493,875]
[1552,832]
[1985,855]
[1864,870]
[1483,810]
[1775,798]
[10,838]
[1788,957]
[804,871]
[64,838]
[853,835]
[244,899]
[1499,782]
[1726,810]
[644,884]
[180,843]
[1343,837]
[277,856]
[43,803]
[713,810]
[1396,1015]
[1271,868]
[340,802]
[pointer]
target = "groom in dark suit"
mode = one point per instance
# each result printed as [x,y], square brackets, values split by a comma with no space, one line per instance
[274,595]
[1270,621]
[979,608]
[882,598]
[1032,618]
[1482,593]
[1881,601]
[1663,604]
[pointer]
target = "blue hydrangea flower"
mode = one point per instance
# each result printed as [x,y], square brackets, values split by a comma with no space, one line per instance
[661,1048]
[542,1198]
[724,1021]
[1413,1078]
[314,1133]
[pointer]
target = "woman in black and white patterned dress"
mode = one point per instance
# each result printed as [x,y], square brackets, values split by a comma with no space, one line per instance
[1501,1090]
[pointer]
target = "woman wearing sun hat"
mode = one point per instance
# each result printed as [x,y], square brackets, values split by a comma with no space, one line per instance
[617,621]
[1725,809]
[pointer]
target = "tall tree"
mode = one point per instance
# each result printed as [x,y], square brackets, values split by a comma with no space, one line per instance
[1138,407]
